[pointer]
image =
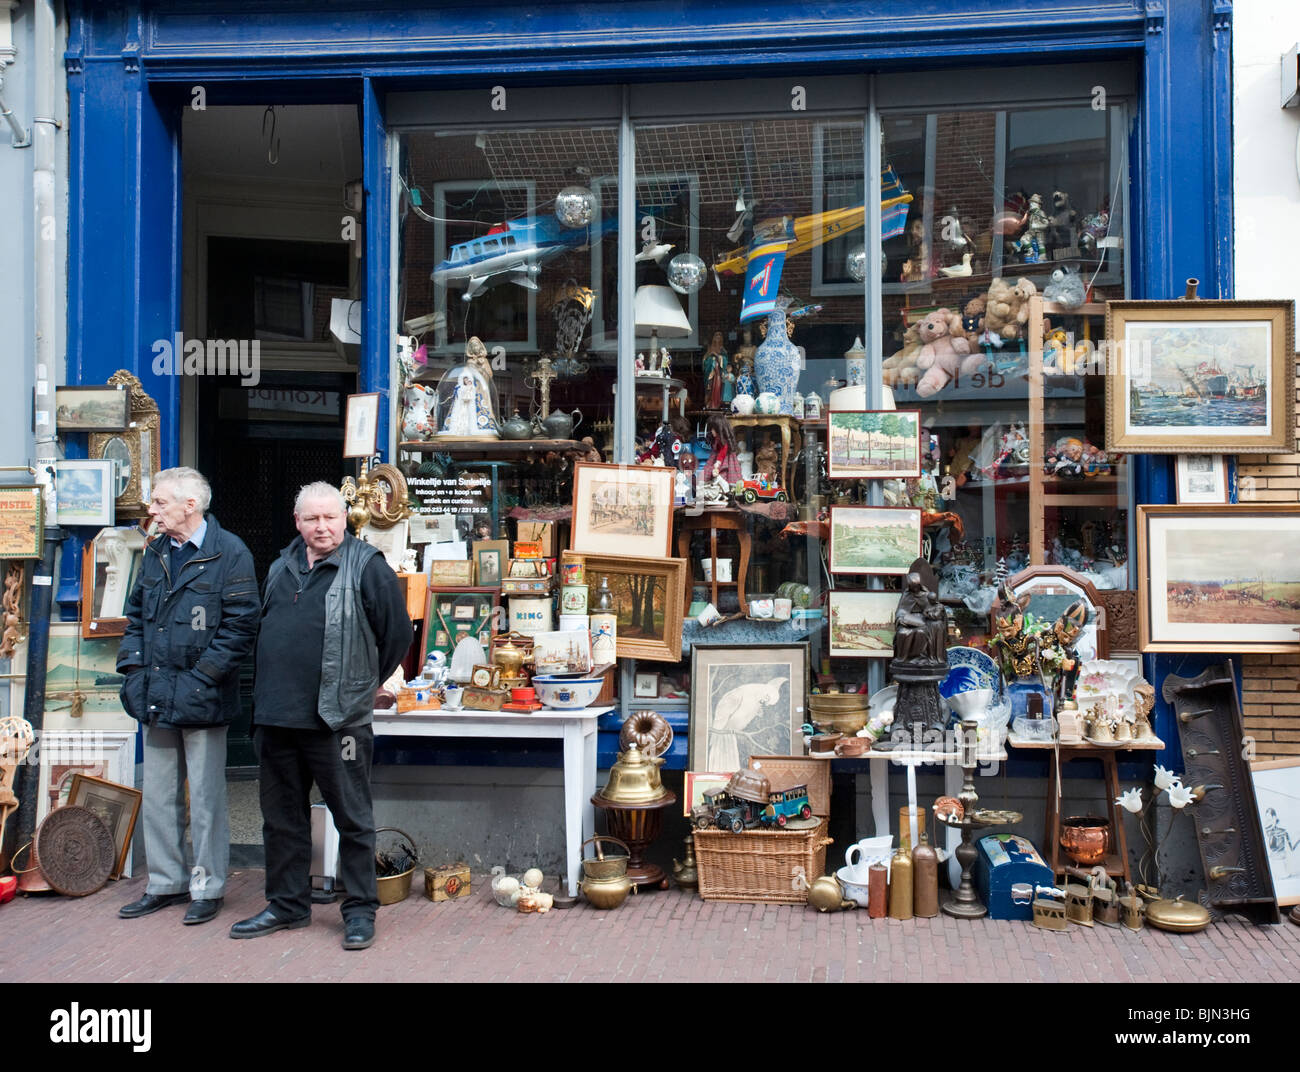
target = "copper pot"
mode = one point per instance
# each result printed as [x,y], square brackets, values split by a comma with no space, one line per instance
[1085,839]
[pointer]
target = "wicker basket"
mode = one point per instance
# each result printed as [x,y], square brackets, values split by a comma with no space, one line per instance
[759,865]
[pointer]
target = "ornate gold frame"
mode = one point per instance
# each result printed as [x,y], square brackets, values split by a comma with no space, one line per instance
[141,438]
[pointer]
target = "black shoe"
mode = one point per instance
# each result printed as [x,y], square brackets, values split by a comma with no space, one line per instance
[151,902]
[202,911]
[266,922]
[358,933]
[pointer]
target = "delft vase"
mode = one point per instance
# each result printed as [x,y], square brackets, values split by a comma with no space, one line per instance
[776,361]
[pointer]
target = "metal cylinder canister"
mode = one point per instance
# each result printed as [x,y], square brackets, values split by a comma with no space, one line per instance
[925,879]
[900,885]
[877,891]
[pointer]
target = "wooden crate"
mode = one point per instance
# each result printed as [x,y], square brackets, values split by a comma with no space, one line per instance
[783,771]
[416,586]
[448,882]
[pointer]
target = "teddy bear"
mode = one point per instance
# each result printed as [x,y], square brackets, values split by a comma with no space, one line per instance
[945,353]
[899,370]
[1007,309]
[972,320]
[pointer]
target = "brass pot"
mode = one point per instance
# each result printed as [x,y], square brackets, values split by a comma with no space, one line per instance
[606,892]
[603,868]
[846,722]
[1179,915]
[1085,839]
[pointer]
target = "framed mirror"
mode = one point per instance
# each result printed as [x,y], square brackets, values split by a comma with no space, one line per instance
[109,567]
[1054,588]
[135,451]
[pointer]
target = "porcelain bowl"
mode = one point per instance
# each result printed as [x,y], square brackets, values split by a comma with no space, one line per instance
[567,693]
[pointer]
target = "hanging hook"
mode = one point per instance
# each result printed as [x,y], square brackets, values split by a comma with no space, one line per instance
[272,142]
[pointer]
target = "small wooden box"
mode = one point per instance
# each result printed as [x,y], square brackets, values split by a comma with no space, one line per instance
[448,882]
[417,594]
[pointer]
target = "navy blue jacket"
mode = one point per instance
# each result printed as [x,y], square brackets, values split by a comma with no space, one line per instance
[187,635]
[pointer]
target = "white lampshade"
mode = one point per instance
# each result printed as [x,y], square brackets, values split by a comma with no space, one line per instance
[659,312]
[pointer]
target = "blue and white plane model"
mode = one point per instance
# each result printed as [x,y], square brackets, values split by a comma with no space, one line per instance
[513,252]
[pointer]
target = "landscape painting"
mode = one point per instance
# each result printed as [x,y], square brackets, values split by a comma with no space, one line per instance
[622,510]
[1221,578]
[874,539]
[648,597]
[862,624]
[1207,376]
[873,444]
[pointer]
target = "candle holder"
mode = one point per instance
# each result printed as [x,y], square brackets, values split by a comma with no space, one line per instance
[965,902]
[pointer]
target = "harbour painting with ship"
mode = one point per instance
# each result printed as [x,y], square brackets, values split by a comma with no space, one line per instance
[1198,377]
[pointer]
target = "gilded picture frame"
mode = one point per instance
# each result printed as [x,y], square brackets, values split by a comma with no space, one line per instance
[135,451]
[632,580]
[1213,377]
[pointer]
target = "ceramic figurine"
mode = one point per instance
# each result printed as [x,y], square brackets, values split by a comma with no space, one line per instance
[776,361]
[714,362]
[639,364]
[714,491]
[408,561]
[812,407]
[723,455]
[766,459]
[728,385]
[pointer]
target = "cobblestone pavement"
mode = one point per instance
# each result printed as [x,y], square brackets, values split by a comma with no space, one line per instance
[663,936]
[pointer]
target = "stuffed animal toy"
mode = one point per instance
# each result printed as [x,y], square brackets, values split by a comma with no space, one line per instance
[900,369]
[1007,310]
[972,319]
[1066,288]
[945,353]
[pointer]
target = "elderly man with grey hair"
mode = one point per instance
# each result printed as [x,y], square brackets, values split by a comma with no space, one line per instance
[334,626]
[192,619]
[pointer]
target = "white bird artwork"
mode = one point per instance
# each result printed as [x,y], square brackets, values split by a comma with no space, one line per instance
[958,271]
[736,709]
[652,252]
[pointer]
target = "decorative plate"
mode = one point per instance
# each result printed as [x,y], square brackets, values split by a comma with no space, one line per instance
[76,850]
[980,663]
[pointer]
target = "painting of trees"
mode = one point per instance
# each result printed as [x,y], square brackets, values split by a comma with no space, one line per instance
[873,443]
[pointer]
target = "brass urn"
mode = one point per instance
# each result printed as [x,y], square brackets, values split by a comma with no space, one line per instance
[634,779]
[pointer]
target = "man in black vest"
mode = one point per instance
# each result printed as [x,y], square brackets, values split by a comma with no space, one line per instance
[334,626]
[191,621]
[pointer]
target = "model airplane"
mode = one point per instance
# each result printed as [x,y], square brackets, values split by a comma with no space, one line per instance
[513,252]
[776,239]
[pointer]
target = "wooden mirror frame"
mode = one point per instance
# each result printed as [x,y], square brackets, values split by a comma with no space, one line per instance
[1036,578]
[93,626]
[142,442]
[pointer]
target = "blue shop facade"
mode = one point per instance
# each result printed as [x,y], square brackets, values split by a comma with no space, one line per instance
[294,174]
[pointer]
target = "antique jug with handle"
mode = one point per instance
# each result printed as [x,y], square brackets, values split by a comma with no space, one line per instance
[560,425]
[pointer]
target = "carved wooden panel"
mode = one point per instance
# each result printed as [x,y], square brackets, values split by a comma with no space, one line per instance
[1121,607]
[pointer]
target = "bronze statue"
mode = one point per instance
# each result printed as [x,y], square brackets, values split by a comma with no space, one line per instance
[920,625]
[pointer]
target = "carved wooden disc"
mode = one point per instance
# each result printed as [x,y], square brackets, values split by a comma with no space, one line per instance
[76,850]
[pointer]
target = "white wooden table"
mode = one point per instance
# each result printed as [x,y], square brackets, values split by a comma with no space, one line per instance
[577,729]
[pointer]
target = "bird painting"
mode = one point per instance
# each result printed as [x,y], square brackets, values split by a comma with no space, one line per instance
[732,723]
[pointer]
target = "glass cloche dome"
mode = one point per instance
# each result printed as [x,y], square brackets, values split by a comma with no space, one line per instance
[466,406]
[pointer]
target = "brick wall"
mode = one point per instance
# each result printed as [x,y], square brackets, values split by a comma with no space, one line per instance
[1271,683]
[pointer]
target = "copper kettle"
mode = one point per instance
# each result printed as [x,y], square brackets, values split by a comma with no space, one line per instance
[634,778]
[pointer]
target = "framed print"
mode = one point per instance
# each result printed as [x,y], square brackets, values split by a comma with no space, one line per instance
[746,701]
[645,685]
[456,612]
[1213,376]
[117,805]
[868,444]
[564,652]
[862,624]
[649,600]
[874,539]
[622,510]
[22,521]
[82,685]
[700,782]
[1202,478]
[361,426]
[85,492]
[1219,578]
[451,572]
[110,564]
[91,409]
[1277,792]
[490,558]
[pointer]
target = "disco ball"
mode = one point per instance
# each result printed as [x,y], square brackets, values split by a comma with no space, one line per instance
[686,273]
[575,206]
[856,262]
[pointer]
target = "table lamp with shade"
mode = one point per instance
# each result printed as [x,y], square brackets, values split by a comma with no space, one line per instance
[660,313]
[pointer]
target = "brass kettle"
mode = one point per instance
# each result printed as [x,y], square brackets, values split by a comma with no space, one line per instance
[634,778]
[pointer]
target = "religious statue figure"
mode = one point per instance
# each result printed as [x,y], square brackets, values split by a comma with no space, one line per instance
[920,625]
[714,361]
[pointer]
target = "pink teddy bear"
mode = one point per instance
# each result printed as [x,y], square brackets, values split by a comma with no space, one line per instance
[945,352]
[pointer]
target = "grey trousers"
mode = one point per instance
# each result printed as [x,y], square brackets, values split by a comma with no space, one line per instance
[170,756]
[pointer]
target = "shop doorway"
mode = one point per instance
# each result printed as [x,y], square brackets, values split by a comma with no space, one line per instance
[272,267]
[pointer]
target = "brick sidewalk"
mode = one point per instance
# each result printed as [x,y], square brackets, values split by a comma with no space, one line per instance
[663,936]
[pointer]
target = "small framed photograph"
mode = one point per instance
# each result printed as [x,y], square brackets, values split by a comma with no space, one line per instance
[85,492]
[91,409]
[117,805]
[490,557]
[464,612]
[1202,478]
[361,426]
[440,639]
[645,685]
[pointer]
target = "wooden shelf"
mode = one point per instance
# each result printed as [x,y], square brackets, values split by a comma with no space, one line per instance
[491,449]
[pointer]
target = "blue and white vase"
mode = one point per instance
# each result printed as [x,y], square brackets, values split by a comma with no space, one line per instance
[776,361]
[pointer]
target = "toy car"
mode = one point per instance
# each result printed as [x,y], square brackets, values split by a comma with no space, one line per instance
[784,804]
[760,487]
[740,815]
[703,815]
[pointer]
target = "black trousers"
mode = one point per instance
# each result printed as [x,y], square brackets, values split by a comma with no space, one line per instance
[339,763]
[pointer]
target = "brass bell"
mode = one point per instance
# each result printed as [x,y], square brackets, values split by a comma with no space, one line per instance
[634,778]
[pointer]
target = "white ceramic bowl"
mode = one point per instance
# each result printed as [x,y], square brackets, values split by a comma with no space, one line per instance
[854,891]
[567,693]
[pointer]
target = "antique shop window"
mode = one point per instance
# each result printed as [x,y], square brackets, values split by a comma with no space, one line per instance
[1011,247]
